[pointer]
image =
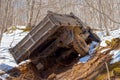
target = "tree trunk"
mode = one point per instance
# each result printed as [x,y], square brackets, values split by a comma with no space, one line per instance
[29,24]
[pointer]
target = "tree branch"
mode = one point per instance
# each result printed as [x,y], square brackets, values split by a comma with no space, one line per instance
[102,13]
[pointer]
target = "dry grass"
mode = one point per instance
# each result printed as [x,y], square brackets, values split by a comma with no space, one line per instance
[114,72]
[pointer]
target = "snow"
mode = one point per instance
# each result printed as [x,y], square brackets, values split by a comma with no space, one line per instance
[84,59]
[116,56]
[92,47]
[91,51]
[9,40]
[23,27]
[116,53]
[113,34]
[4,77]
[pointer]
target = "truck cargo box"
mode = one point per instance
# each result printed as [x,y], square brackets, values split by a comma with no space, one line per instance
[54,32]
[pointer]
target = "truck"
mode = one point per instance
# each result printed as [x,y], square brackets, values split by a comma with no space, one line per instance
[58,40]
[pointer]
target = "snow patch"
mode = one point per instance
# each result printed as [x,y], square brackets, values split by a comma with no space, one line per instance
[84,59]
[116,53]
[9,40]
[116,56]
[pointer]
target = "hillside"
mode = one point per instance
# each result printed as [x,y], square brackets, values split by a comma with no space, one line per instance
[14,37]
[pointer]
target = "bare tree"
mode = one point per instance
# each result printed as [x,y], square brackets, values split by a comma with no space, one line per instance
[38,12]
[31,4]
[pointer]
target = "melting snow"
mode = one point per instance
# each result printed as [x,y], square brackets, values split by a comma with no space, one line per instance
[116,56]
[116,53]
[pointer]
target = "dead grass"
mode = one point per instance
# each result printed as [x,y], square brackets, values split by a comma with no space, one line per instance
[114,72]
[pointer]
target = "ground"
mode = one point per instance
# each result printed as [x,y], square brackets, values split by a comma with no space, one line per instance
[11,38]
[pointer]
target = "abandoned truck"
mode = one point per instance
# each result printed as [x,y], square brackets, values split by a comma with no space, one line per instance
[59,39]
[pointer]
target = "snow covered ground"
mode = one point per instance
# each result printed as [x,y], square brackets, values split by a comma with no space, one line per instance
[9,40]
[113,34]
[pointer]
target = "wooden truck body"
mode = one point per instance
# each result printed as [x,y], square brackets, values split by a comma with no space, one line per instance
[57,39]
